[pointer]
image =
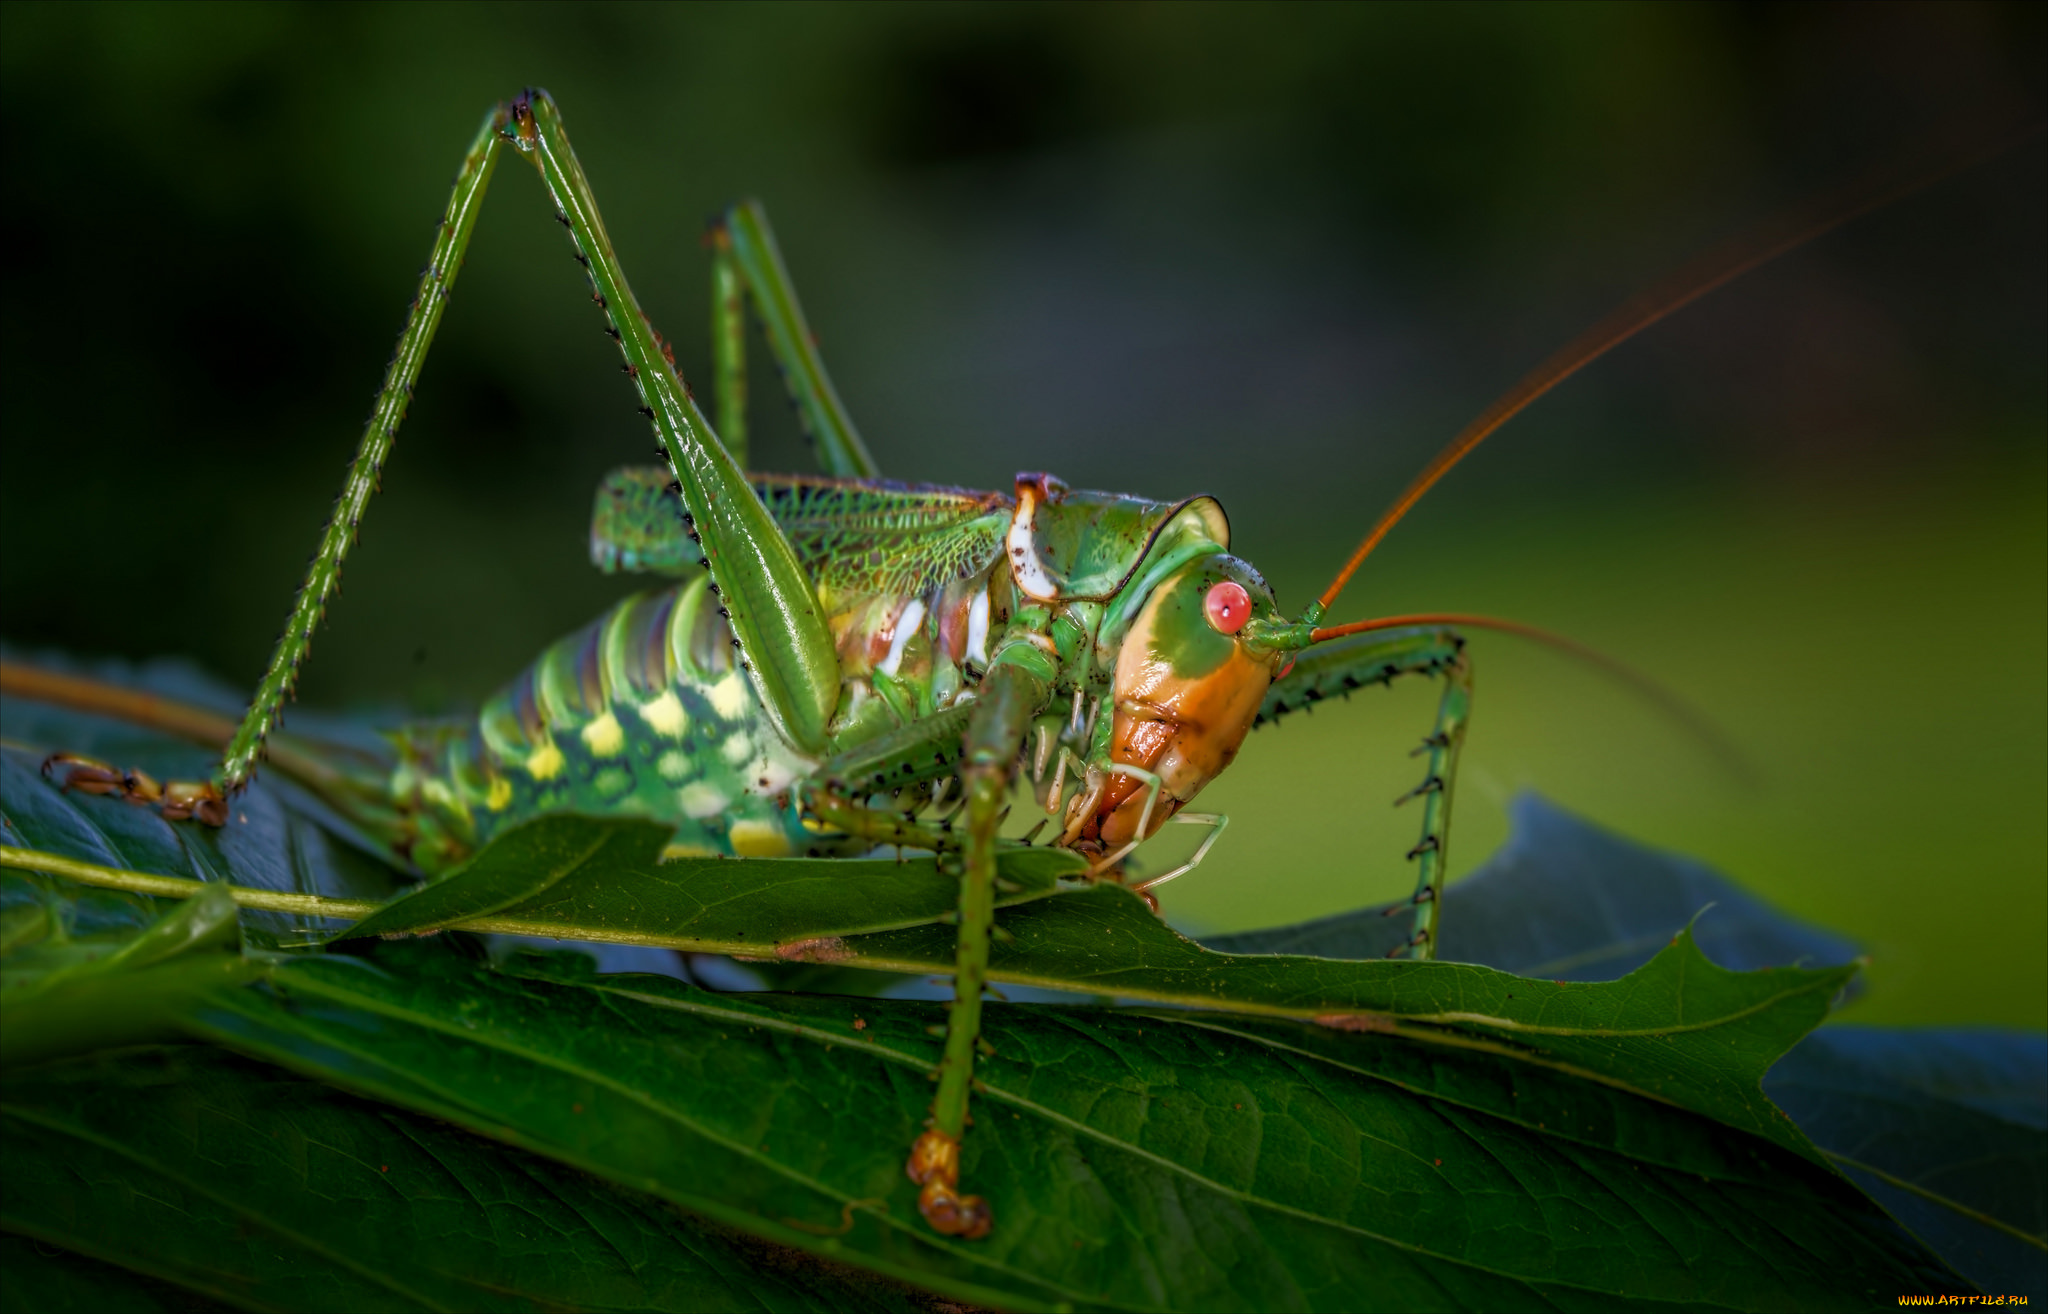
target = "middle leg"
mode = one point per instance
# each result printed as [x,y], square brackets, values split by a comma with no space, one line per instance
[1011,694]
[746,260]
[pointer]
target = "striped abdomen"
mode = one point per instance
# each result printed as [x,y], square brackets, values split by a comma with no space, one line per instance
[643,712]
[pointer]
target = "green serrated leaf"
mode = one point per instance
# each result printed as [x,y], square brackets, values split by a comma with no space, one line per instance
[1678,1029]
[586,878]
[519,865]
[1136,1160]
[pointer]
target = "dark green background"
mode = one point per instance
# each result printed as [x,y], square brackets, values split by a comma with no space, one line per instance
[1278,254]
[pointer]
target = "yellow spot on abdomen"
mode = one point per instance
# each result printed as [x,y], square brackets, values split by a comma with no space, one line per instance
[675,766]
[545,762]
[500,796]
[603,737]
[729,696]
[737,749]
[700,801]
[759,839]
[665,715]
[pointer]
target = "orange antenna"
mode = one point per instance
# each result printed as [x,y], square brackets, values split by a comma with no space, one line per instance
[1684,714]
[1936,157]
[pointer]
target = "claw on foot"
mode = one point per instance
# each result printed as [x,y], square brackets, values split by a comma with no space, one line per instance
[953,1214]
[935,1165]
[179,800]
[91,776]
[196,799]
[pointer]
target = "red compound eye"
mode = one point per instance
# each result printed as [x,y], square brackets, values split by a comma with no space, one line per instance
[1228,606]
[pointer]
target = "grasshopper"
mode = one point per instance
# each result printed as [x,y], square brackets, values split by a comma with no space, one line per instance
[840,662]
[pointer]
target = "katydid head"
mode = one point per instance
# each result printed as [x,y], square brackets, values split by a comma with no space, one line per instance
[1188,684]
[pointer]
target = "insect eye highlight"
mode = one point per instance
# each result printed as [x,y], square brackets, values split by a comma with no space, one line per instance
[1227,606]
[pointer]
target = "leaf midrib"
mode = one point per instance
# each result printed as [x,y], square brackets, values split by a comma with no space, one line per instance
[1100,982]
[1936,1197]
[1526,1056]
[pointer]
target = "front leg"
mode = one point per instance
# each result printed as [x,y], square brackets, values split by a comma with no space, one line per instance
[1012,693]
[1381,657]
[1432,853]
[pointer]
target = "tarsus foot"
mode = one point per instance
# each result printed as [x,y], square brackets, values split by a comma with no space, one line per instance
[935,1165]
[179,800]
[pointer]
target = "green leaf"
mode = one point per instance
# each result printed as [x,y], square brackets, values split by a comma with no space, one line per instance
[1136,1160]
[59,995]
[1947,1128]
[585,878]
[247,1186]
[36,1278]
[1678,1029]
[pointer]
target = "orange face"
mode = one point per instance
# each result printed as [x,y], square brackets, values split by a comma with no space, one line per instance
[1187,690]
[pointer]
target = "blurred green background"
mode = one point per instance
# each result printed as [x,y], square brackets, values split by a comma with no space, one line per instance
[1278,254]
